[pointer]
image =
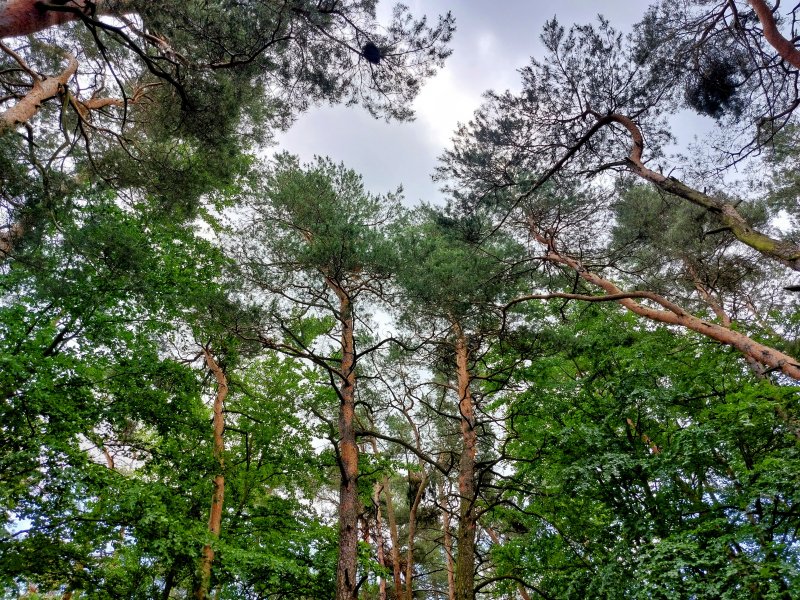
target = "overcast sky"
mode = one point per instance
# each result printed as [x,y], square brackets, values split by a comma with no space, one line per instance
[492,41]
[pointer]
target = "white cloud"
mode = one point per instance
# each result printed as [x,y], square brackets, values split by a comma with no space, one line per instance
[442,104]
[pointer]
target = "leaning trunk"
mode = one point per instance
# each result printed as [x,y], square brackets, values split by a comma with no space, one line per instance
[465,542]
[346,574]
[217,497]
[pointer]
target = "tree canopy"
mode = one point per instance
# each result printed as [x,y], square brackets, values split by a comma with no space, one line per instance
[229,375]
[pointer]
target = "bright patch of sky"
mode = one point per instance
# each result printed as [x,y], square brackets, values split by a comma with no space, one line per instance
[493,40]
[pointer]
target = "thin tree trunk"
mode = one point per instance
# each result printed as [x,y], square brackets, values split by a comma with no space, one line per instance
[412,532]
[346,575]
[448,544]
[218,495]
[465,543]
[395,538]
[376,499]
[393,535]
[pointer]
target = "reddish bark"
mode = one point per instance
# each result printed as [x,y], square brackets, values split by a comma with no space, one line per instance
[23,17]
[218,495]
[465,542]
[673,315]
[785,48]
[346,574]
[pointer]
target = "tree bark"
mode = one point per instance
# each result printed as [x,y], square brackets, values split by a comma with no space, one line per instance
[43,90]
[465,542]
[376,500]
[346,574]
[674,315]
[412,532]
[785,48]
[786,253]
[448,543]
[395,539]
[218,495]
[24,17]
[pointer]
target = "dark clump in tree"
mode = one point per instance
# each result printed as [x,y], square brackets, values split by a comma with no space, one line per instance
[711,87]
[372,53]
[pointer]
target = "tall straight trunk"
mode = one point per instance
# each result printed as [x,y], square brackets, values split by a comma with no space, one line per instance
[376,499]
[218,495]
[395,538]
[346,574]
[465,542]
[412,532]
[448,544]
[393,535]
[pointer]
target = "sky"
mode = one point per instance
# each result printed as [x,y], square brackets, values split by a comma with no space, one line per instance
[492,41]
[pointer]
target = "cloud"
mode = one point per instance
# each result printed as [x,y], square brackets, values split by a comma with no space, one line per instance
[443,103]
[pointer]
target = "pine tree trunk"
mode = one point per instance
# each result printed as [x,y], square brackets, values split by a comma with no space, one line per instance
[23,17]
[376,499]
[346,575]
[412,533]
[395,538]
[448,544]
[465,542]
[218,495]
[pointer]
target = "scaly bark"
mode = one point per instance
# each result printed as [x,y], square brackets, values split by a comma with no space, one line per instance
[218,495]
[785,48]
[24,17]
[346,573]
[465,542]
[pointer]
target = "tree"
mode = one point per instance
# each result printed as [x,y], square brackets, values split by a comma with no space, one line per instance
[451,284]
[163,99]
[591,105]
[646,469]
[89,394]
[318,240]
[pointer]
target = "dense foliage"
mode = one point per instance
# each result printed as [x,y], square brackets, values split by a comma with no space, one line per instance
[234,377]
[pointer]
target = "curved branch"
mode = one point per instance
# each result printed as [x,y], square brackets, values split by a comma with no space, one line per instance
[43,90]
[675,315]
[785,48]
[784,252]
